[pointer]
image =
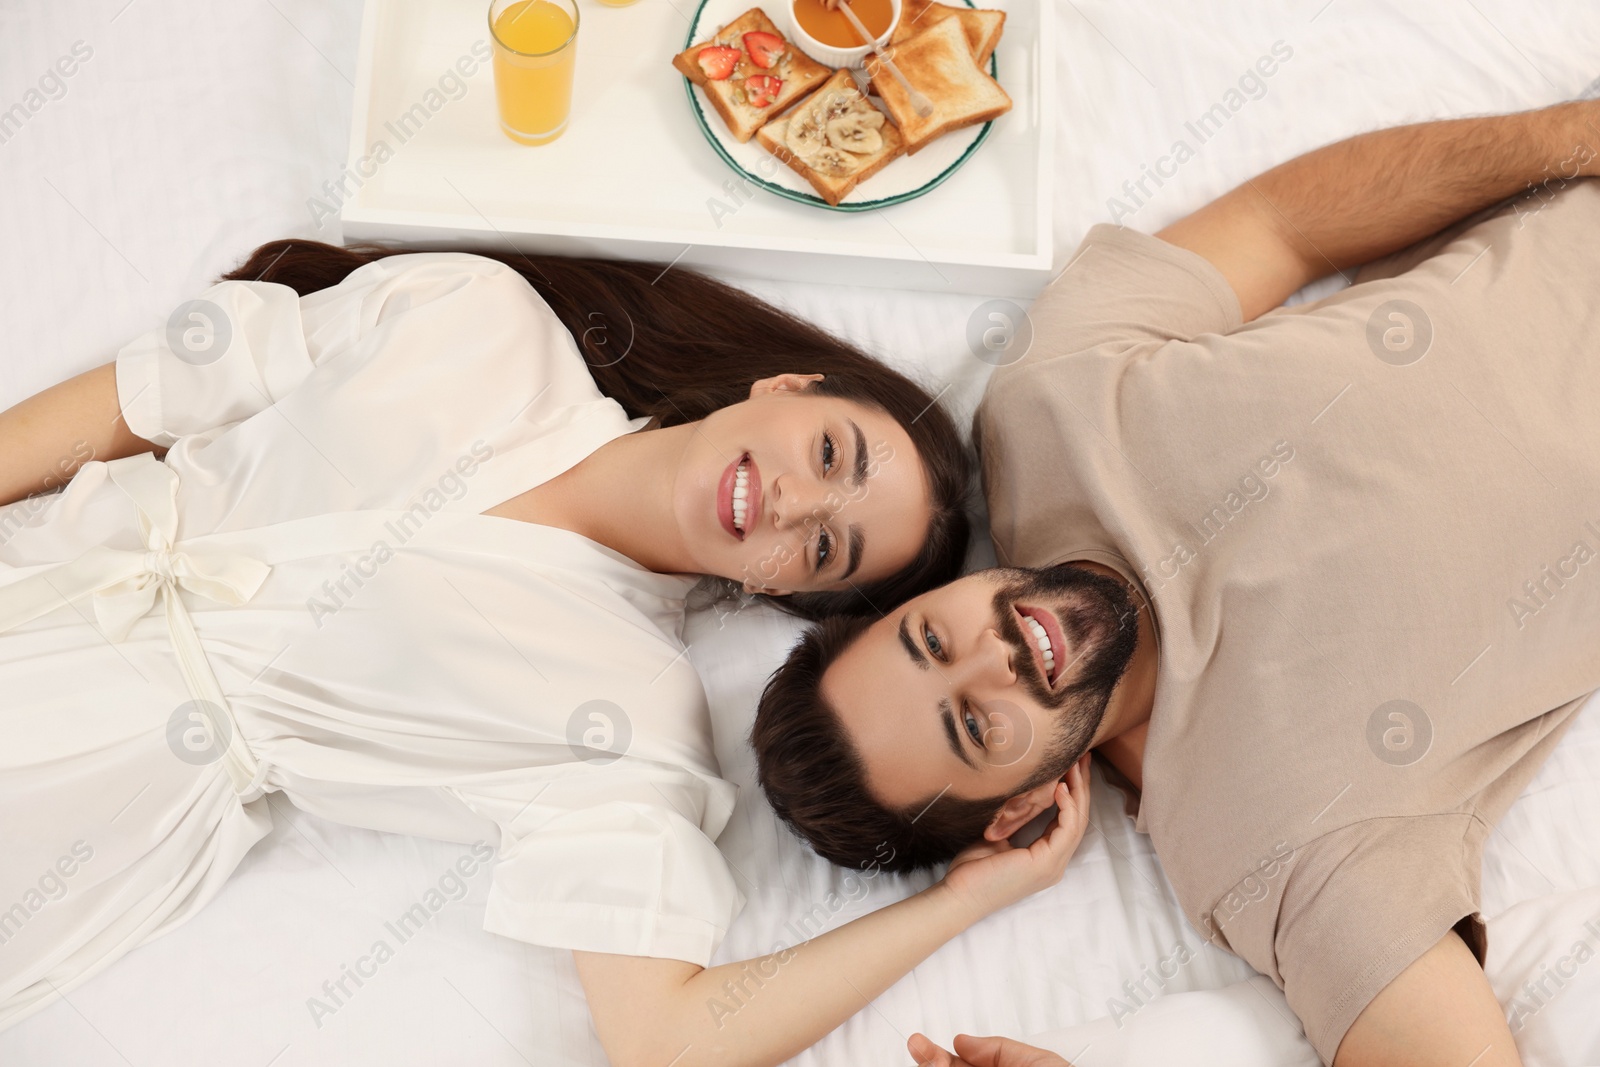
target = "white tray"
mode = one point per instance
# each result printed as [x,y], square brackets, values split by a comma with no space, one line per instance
[633,177]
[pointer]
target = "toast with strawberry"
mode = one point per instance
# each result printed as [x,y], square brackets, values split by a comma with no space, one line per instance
[749,72]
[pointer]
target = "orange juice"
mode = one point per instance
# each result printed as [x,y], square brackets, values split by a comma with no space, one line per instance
[535,43]
[832,28]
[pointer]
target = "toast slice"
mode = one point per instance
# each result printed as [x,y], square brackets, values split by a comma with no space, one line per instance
[981,25]
[835,139]
[726,78]
[939,62]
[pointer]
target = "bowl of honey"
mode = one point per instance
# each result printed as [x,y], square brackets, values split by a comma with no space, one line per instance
[826,35]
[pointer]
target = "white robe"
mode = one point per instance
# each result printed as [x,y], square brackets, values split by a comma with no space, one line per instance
[388,656]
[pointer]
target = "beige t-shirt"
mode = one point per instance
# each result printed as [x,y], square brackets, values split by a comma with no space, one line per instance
[1370,534]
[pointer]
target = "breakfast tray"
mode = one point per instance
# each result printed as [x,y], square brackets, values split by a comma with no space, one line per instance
[634,177]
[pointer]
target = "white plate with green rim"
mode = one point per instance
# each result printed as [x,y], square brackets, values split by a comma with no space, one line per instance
[904,179]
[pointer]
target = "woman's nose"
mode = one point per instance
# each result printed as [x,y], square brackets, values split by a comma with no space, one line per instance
[796,504]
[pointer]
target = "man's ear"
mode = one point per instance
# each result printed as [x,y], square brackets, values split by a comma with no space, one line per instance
[1020,810]
[782,383]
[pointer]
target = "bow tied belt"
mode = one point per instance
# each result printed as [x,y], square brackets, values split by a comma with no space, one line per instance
[125,584]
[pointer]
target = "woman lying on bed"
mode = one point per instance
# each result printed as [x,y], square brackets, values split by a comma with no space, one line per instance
[416,555]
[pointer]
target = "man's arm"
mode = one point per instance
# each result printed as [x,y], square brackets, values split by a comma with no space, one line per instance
[1355,200]
[44,439]
[1439,1012]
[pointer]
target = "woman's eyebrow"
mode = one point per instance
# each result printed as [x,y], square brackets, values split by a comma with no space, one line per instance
[859,472]
[858,544]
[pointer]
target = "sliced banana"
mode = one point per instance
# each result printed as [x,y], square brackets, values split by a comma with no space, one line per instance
[857,131]
[806,134]
[834,162]
[839,102]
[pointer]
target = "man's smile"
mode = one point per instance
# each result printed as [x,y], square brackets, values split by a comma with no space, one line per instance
[1043,632]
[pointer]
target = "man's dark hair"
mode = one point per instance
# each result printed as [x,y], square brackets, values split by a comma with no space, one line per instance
[816,781]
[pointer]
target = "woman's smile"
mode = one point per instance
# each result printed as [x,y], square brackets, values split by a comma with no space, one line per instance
[739,497]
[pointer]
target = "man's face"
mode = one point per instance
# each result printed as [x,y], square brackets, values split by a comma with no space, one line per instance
[980,687]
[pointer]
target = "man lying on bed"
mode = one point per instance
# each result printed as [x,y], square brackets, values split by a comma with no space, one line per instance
[1323,584]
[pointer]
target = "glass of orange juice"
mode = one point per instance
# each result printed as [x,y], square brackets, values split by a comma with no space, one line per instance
[535,45]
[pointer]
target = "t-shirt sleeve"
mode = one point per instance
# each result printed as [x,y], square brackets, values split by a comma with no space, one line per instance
[605,862]
[1125,286]
[242,346]
[1353,909]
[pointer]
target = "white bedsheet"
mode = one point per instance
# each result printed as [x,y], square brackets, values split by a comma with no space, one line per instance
[196,130]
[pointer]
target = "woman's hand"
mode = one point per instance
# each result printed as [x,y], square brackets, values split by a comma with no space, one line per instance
[982,1052]
[992,874]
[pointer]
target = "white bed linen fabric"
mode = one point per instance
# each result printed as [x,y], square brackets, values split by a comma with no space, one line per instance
[176,149]
[382,653]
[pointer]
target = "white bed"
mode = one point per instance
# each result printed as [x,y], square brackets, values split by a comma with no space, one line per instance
[196,130]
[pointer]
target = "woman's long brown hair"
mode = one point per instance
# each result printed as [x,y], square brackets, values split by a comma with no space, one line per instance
[678,345]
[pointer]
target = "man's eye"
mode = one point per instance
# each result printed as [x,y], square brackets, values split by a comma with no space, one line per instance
[828,451]
[971,722]
[932,642]
[824,549]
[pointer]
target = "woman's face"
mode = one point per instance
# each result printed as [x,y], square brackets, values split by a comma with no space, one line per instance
[790,491]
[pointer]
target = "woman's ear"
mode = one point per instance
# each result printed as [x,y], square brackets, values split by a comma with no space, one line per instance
[1020,810]
[783,383]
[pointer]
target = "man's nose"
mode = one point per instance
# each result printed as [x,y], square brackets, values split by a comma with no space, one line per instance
[990,664]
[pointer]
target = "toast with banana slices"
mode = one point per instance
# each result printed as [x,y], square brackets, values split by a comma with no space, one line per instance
[939,62]
[981,25]
[750,72]
[835,138]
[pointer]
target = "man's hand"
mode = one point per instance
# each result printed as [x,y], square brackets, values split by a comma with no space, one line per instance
[982,1052]
[990,875]
[1362,198]
[1439,1012]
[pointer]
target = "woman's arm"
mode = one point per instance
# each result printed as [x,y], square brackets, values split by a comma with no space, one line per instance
[758,1013]
[44,439]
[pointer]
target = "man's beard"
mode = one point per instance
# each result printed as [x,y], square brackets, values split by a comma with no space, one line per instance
[1101,621]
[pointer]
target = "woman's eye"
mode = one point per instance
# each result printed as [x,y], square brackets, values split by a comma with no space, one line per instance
[824,549]
[971,723]
[929,639]
[827,453]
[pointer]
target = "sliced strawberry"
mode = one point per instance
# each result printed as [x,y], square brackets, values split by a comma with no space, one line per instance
[762,89]
[717,61]
[765,48]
